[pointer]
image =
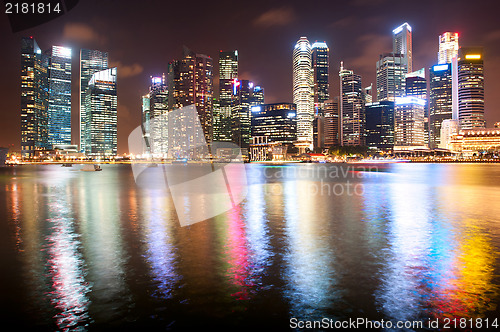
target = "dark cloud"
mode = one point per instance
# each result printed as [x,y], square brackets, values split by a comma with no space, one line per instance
[276,17]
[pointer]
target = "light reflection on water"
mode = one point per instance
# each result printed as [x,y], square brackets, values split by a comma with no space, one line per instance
[420,241]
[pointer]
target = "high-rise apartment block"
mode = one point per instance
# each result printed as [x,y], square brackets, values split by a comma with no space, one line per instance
[228,71]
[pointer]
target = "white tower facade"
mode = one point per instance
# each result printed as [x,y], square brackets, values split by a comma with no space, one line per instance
[303,92]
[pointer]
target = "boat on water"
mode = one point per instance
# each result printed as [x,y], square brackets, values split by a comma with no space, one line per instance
[67,165]
[91,168]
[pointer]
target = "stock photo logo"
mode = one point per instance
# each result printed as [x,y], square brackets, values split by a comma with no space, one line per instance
[28,14]
[204,180]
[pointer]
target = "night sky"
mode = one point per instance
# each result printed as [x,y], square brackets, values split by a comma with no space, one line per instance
[142,37]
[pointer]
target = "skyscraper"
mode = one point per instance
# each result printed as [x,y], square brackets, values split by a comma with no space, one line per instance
[228,71]
[155,107]
[440,101]
[320,65]
[409,122]
[448,47]
[59,107]
[352,108]
[416,86]
[391,71]
[277,122]
[402,44]
[190,82]
[34,98]
[303,94]
[380,125]
[240,112]
[470,88]
[91,61]
[101,115]
[331,122]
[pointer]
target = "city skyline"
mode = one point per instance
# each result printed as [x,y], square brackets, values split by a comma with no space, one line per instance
[134,74]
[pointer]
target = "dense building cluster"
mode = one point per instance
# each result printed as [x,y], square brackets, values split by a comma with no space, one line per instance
[406,110]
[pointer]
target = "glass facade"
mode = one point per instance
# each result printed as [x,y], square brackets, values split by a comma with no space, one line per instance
[91,61]
[352,108]
[228,71]
[409,122]
[59,110]
[190,82]
[155,106]
[34,98]
[380,125]
[101,118]
[440,101]
[391,71]
[276,122]
[471,88]
[402,44]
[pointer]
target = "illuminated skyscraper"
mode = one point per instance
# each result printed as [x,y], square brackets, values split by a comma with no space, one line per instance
[448,47]
[470,88]
[228,71]
[320,65]
[59,107]
[440,101]
[409,122]
[277,122]
[91,61]
[416,86]
[402,44]
[352,108]
[190,82]
[240,112]
[331,127]
[101,118]
[34,98]
[303,94]
[380,125]
[155,107]
[391,71]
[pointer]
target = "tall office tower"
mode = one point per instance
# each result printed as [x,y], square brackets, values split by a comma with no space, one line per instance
[155,120]
[416,86]
[190,82]
[91,61]
[352,108]
[470,88]
[303,94]
[409,116]
[277,122]
[440,101]
[448,47]
[59,111]
[331,122]
[34,98]
[380,125]
[402,44]
[228,71]
[391,71]
[101,115]
[243,100]
[320,65]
